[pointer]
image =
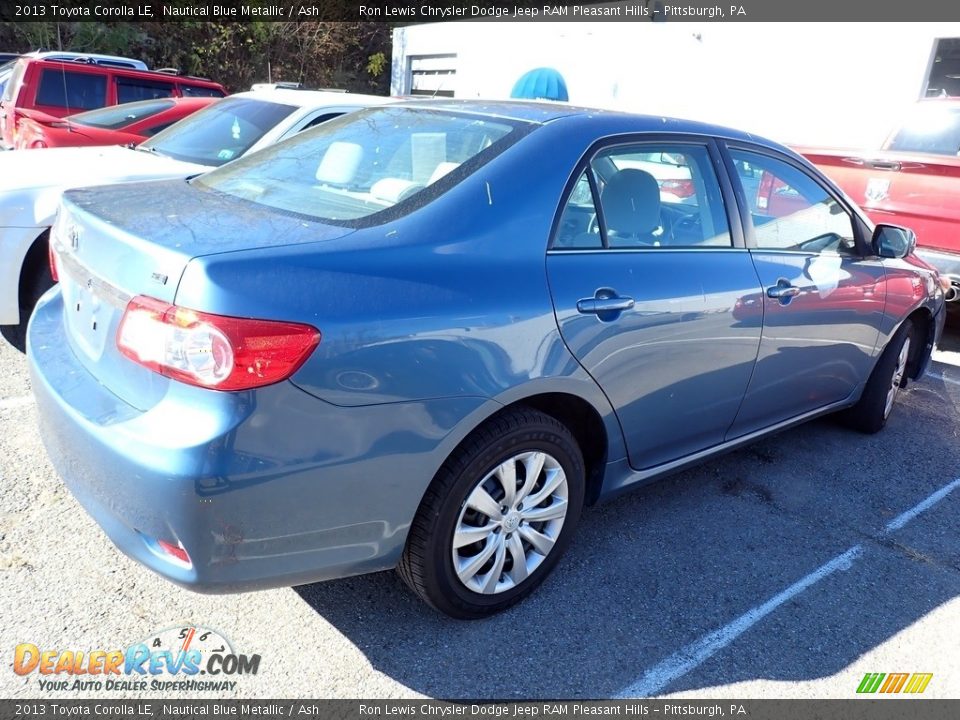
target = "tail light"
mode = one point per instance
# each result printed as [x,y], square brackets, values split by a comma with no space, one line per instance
[213,351]
[52,259]
[680,188]
[176,551]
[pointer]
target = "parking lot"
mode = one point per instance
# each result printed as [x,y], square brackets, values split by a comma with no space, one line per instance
[787,569]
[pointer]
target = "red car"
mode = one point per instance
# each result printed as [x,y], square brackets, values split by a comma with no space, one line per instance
[131,123]
[914,180]
[60,88]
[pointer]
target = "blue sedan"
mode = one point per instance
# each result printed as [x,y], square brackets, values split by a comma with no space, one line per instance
[426,335]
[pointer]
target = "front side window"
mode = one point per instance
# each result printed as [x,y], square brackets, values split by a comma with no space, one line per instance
[72,90]
[649,196]
[117,116]
[219,133]
[789,209]
[363,163]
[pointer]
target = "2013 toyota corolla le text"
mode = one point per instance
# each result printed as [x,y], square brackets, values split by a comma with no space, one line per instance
[426,335]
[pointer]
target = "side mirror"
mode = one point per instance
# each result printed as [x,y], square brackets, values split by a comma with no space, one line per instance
[893,241]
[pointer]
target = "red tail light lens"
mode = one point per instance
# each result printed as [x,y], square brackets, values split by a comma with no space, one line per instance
[213,351]
[177,551]
[52,259]
[680,188]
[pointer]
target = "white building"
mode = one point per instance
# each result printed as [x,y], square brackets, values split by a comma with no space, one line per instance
[842,84]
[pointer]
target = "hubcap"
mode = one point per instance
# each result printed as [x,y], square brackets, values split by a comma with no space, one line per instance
[510,522]
[897,377]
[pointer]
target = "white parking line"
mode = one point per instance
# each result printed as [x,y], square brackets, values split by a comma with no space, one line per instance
[698,652]
[900,520]
[952,381]
[15,402]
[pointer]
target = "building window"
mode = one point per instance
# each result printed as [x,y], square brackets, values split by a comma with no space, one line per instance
[943,79]
[432,75]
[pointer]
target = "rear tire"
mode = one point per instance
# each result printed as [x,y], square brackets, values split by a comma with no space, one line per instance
[35,280]
[474,549]
[871,412]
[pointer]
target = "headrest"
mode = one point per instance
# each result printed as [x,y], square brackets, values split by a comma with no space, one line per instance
[631,202]
[340,163]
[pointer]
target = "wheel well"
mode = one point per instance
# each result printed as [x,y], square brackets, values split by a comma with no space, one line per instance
[924,326]
[581,419]
[34,263]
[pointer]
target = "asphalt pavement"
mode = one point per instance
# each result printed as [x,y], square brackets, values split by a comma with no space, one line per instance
[788,569]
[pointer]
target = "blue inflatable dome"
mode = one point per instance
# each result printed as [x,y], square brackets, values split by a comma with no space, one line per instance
[540,84]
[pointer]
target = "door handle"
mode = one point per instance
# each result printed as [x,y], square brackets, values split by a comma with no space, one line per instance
[783,290]
[597,305]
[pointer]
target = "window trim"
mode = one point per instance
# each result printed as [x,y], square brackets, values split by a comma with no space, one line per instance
[859,226]
[585,164]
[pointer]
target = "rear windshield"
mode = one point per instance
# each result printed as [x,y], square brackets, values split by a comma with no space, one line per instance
[119,116]
[932,128]
[363,163]
[219,133]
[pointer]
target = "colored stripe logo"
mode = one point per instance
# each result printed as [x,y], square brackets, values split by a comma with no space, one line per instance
[913,684]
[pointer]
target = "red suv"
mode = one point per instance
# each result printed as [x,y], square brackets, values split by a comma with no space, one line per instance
[62,88]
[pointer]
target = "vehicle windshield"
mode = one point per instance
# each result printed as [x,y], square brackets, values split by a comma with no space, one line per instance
[932,128]
[219,133]
[363,163]
[115,117]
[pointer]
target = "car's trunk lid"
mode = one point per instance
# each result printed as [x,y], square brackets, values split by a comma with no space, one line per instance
[116,242]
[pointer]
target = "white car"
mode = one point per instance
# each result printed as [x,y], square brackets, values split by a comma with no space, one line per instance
[31,182]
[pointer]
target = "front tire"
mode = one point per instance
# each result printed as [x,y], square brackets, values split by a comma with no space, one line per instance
[870,414]
[497,517]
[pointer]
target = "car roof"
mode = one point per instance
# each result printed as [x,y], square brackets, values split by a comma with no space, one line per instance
[617,121]
[73,56]
[312,98]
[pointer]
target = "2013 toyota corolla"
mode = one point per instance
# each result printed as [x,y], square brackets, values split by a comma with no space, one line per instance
[424,336]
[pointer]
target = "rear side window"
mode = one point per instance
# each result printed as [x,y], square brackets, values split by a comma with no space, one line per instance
[72,90]
[134,89]
[645,196]
[200,91]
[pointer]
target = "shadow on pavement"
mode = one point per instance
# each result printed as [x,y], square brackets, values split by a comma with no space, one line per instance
[657,569]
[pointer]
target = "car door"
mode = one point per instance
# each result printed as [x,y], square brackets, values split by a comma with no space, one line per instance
[646,274]
[824,294]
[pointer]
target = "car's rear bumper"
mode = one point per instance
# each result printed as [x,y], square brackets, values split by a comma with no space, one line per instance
[263,489]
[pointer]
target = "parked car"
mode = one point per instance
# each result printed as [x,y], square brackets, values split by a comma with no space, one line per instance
[9,62]
[31,183]
[64,87]
[127,124]
[425,335]
[913,180]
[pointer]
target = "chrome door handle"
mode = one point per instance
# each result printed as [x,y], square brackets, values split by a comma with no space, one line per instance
[783,290]
[597,305]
